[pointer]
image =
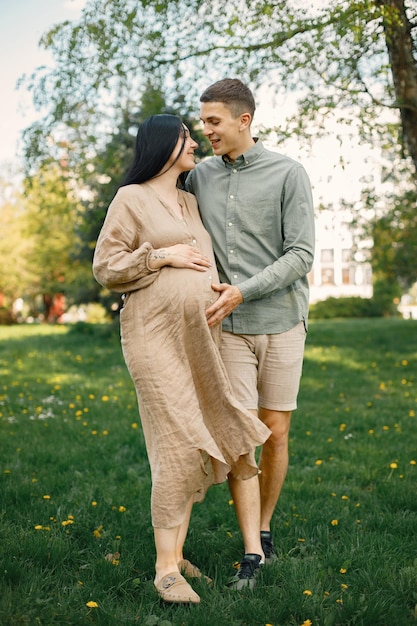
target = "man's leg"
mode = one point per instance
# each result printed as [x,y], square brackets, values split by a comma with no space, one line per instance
[273,462]
[247,502]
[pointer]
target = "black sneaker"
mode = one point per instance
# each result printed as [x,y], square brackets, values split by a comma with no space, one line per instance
[268,546]
[245,576]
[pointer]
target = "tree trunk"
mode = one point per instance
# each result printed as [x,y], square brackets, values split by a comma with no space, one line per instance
[401,52]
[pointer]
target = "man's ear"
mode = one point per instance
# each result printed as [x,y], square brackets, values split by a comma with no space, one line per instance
[245,121]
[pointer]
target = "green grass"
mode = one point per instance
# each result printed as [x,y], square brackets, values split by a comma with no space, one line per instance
[74,487]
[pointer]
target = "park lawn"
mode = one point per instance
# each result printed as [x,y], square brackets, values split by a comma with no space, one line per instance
[76,544]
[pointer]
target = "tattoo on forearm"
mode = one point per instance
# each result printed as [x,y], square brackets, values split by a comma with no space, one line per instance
[159,254]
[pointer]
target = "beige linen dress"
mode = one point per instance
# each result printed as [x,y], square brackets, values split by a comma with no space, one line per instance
[194,428]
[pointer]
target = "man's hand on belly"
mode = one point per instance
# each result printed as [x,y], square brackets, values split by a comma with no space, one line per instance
[230,298]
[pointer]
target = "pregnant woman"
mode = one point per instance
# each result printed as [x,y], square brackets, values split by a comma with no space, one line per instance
[154,249]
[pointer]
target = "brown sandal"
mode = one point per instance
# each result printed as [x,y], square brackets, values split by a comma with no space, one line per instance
[192,571]
[174,588]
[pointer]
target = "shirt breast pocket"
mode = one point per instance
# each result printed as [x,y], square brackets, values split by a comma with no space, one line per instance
[257,216]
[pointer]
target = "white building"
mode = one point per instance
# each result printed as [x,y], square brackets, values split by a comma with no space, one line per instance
[340,267]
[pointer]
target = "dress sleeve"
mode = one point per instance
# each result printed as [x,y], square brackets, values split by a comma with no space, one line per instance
[120,260]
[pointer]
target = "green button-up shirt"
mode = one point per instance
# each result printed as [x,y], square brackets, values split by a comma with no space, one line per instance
[259,213]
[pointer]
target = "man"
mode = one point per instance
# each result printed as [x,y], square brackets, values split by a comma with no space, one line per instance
[258,208]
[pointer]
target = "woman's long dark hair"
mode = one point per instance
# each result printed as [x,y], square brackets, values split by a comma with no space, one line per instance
[156,139]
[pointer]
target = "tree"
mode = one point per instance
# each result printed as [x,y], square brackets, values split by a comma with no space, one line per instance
[51,214]
[343,57]
[14,271]
[395,240]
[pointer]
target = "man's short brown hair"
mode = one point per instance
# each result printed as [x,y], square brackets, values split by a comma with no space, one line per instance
[233,93]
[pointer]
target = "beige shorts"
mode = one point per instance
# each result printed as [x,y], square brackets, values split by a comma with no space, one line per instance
[265,370]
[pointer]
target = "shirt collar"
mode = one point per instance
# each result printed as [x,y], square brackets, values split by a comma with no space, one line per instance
[247,157]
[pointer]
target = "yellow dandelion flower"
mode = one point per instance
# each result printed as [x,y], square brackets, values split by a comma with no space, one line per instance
[411,413]
[97,532]
[105,398]
[334,522]
[78,413]
[404,381]
[122,509]
[230,502]
[307,622]
[385,428]
[134,425]
[404,362]
[38,527]
[319,462]
[92,605]
[94,503]
[371,431]
[7,471]
[393,465]
[307,592]
[308,433]
[301,540]
[229,534]
[343,586]
[71,405]
[342,427]
[91,396]
[339,601]
[413,462]
[345,497]
[343,570]
[382,386]
[46,497]
[105,432]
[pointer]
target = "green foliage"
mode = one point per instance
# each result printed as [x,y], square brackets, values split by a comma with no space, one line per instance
[353,306]
[395,239]
[75,483]
[344,56]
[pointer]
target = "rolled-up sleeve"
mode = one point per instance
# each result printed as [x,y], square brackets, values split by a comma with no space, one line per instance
[298,239]
[120,260]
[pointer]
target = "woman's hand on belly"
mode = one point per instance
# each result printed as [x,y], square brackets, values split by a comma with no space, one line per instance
[180,255]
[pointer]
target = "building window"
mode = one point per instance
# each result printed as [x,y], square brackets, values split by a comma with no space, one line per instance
[346,276]
[346,255]
[327,255]
[327,276]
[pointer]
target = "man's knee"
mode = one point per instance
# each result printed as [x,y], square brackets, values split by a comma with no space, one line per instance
[278,423]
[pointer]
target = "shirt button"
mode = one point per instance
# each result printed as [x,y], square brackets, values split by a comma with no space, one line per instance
[231,251]
[234,171]
[194,241]
[230,224]
[234,275]
[210,277]
[231,197]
